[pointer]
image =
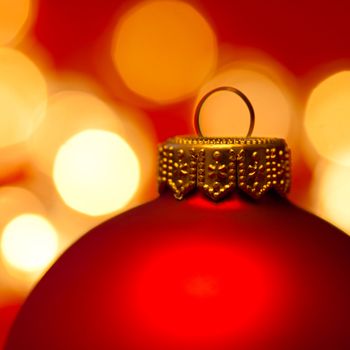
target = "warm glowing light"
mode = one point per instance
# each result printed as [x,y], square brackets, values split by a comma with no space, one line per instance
[96,172]
[13,161]
[331,192]
[29,243]
[327,119]
[23,97]
[225,114]
[164,50]
[15,201]
[68,113]
[139,133]
[13,15]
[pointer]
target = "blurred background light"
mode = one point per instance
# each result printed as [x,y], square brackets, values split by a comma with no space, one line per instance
[68,113]
[14,162]
[96,172]
[29,243]
[23,97]
[139,133]
[330,193]
[327,120]
[14,15]
[15,201]
[164,50]
[225,114]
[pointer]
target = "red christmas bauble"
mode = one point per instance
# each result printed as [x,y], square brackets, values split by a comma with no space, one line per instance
[195,274]
[199,274]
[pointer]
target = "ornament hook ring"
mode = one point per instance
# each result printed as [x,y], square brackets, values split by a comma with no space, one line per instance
[224,88]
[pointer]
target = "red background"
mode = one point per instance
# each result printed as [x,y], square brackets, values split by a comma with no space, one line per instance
[304,36]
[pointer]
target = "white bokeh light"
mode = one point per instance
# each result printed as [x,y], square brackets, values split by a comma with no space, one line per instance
[96,172]
[331,193]
[29,243]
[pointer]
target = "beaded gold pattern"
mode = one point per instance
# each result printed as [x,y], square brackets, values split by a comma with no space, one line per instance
[220,166]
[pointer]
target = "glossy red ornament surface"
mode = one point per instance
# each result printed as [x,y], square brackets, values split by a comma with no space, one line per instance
[193,274]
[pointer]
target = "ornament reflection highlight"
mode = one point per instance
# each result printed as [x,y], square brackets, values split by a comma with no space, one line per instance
[200,291]
[29,243]
[96,172]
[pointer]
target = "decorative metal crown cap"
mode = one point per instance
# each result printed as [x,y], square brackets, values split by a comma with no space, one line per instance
[219,166]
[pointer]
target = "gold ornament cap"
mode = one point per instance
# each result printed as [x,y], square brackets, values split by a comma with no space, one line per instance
[218,166]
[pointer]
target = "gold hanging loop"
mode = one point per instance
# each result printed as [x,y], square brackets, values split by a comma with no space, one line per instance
[224,88]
